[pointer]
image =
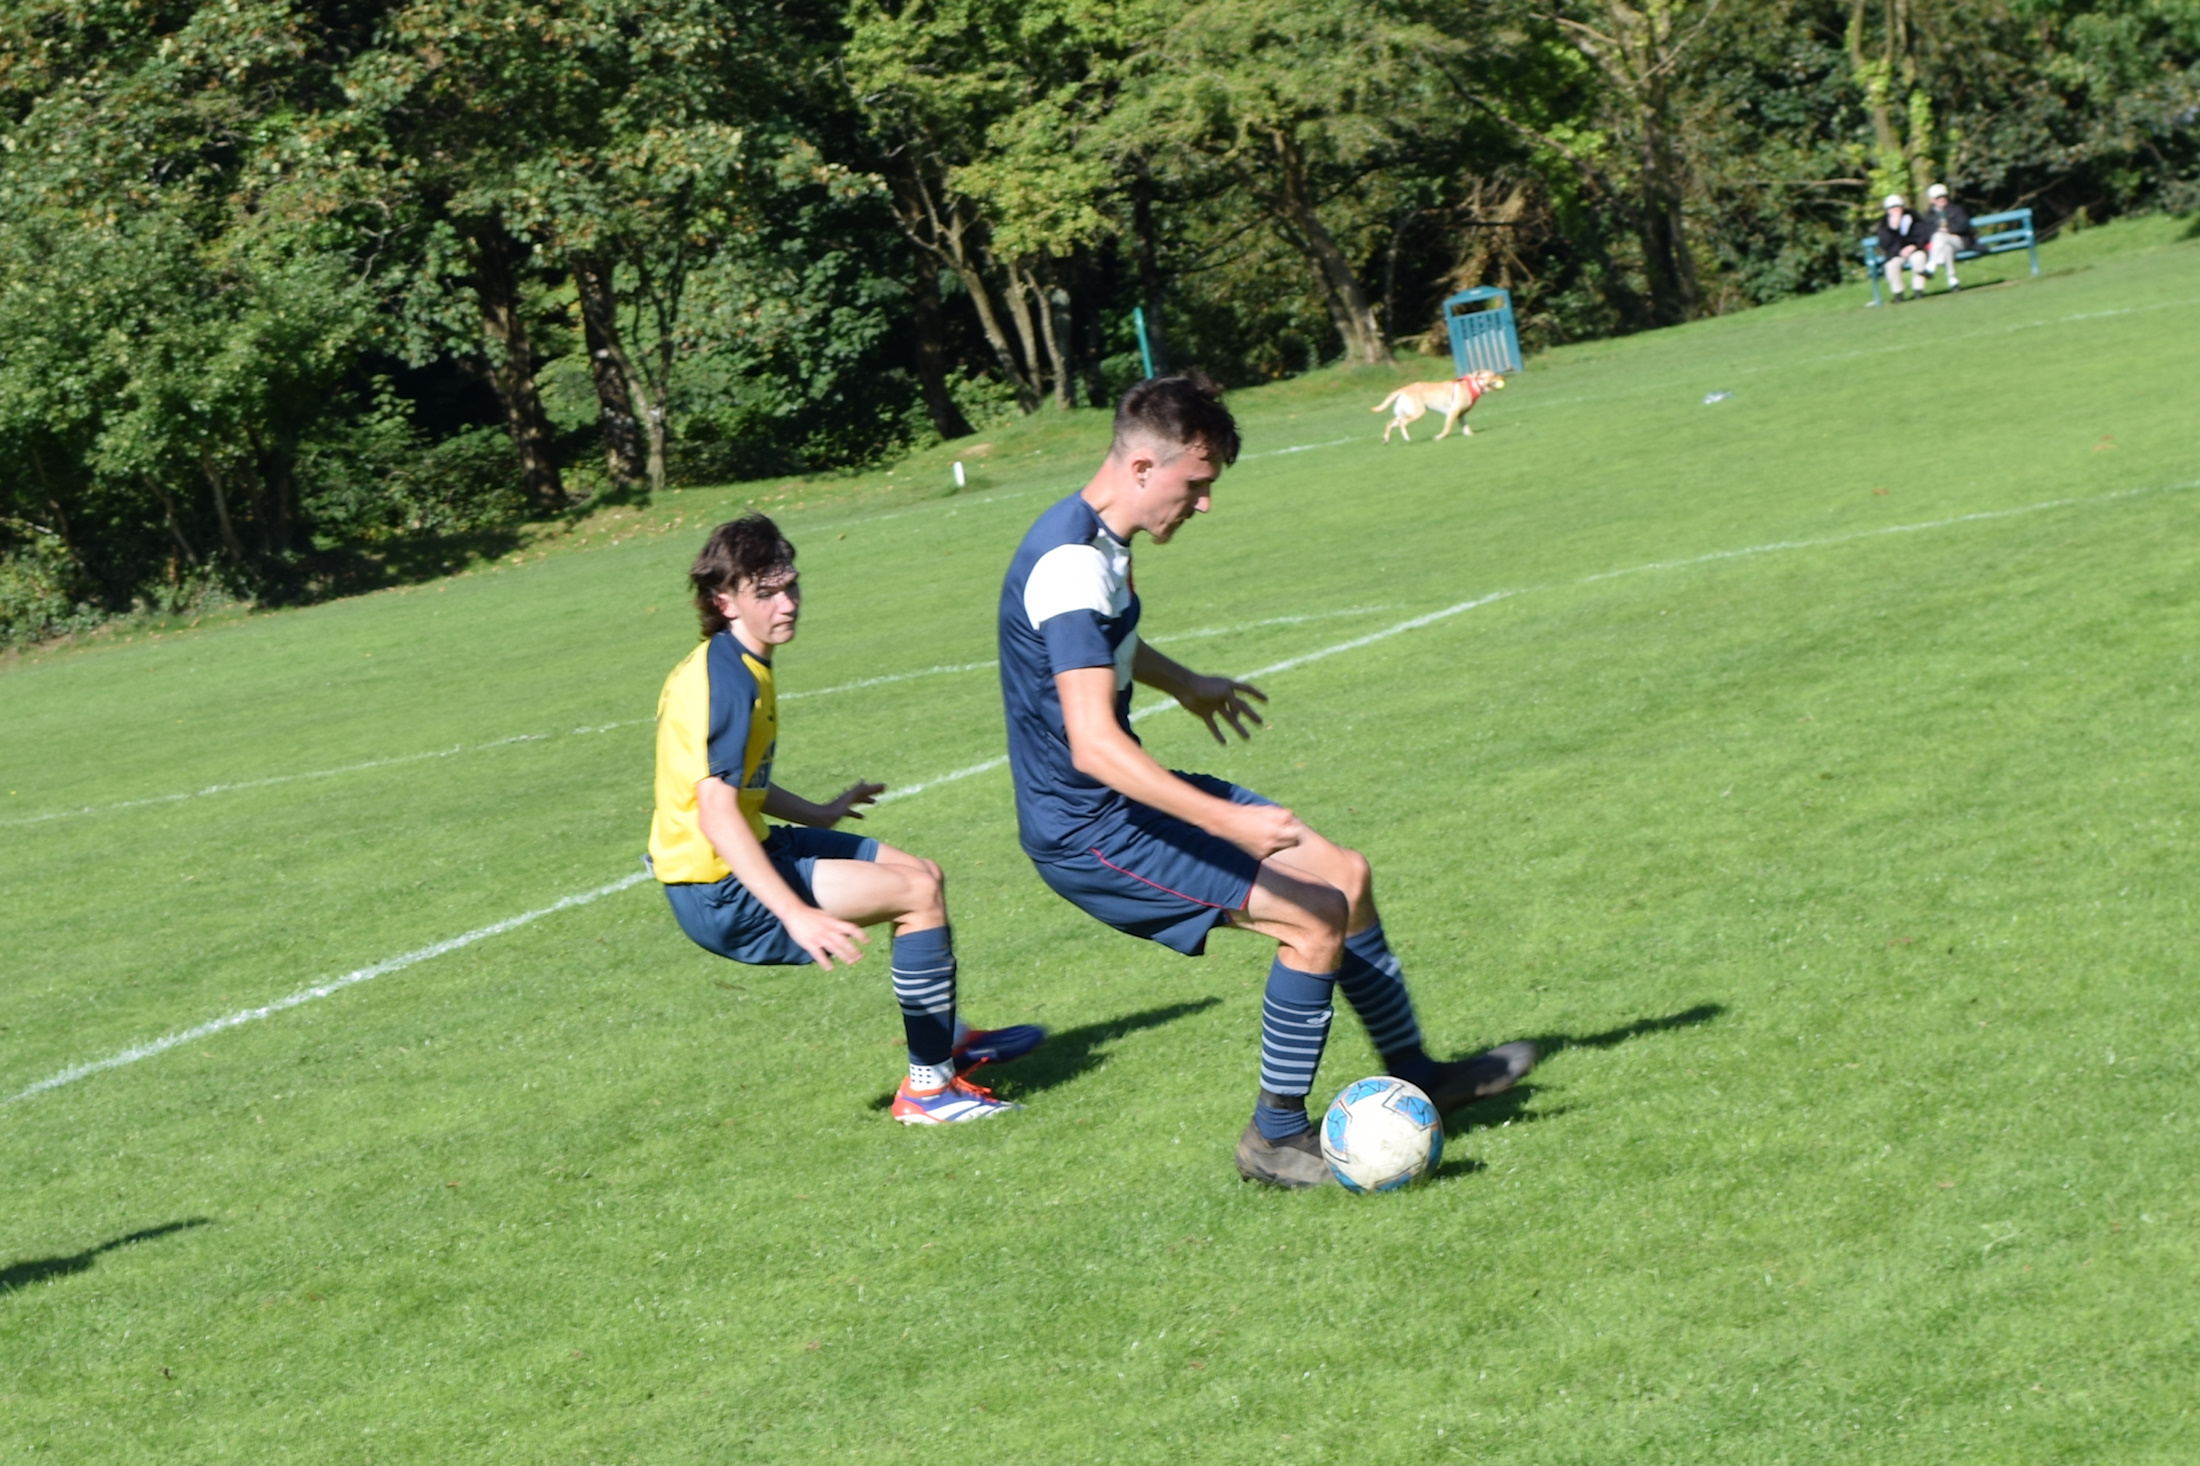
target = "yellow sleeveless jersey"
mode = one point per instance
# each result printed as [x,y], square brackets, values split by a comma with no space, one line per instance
[716,718]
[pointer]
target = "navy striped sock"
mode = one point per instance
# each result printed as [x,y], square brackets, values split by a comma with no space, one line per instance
[924,986]
[1375,986]
[1294,1025]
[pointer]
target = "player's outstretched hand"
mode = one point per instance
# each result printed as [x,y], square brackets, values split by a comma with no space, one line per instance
[825,936]
[1208,698]
[1260,830]
[843,805]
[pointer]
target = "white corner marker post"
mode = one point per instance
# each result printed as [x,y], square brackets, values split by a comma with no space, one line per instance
[958,473]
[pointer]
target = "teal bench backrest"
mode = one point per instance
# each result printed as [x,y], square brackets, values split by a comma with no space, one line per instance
[1996,234]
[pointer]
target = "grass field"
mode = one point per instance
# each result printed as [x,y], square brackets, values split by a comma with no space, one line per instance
[1811,772]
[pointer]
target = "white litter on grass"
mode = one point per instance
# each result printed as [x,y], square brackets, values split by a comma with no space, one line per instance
[1711,397]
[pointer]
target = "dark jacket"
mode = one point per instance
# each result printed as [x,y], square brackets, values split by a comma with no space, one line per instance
[1950,215]
[1909,229]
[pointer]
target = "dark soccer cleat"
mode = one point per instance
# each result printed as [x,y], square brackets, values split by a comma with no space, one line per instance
[1295,1161]
[975,1046]
[1493,1072]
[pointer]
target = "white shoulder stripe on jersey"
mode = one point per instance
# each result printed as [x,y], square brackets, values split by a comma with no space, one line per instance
[1068,578]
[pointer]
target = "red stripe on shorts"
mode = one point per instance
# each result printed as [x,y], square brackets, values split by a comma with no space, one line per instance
[1094,852]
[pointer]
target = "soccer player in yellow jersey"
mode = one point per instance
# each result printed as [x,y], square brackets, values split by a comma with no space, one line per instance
[798,892]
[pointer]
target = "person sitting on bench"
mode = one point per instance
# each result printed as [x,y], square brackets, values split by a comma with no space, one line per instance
[1904,239]
[1949,227]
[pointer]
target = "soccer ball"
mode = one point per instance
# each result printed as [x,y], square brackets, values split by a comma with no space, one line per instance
[1381,1134]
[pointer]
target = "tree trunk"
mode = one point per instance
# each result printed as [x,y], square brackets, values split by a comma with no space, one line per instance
[1022,295]
[1390,272]
[624,457]
[230,542]
[1095,279]
[944,233]
[1341,288]
[1145,247]
[168,505]
[659,288]
[1875,77]
[931,327]
[271,471]
[1052,302]
[1636,53]
[509,366]
[1661,225]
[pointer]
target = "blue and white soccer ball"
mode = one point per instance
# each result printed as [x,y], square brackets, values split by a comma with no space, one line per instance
[1381,1134]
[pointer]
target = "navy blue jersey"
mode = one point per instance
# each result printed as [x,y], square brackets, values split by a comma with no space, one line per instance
[1067,602]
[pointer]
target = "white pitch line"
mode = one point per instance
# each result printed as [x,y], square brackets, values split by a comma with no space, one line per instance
[462,748]
[273,779]
[322,990]
[863,682]
[394,964]
[1853,536]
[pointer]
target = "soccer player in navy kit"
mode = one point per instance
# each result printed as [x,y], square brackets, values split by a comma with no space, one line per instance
[1169,856]
[801,892]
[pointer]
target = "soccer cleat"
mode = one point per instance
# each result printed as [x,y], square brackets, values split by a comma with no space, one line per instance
[1493,1072]
[950,1104]
[975,1046]
[1294,1162]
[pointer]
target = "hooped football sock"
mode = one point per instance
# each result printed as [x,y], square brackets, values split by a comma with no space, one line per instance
[1294,1025]
[1280,1116]
[924,986]
[1375,985]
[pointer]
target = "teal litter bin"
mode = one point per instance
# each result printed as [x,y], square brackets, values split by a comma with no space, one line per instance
[1483,337]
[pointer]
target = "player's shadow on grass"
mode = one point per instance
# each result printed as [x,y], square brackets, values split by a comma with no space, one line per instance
[1516,1106]
[1071,1052]
[1557,1043]
[17,1275]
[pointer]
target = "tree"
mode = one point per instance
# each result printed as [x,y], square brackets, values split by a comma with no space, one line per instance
[960,97]
[1639,50]
[1299,103]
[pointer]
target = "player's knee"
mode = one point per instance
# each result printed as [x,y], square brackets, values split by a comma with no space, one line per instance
[1354,876]
[926,888]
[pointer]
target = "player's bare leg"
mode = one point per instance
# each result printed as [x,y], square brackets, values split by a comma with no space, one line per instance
[1287,902]
[909,891]
[905,889]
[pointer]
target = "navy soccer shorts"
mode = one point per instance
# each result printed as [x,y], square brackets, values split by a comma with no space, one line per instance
[722,917]
[1154,876]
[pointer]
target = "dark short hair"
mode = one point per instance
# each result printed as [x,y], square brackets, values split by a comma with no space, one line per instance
[748,548]
[1183,410]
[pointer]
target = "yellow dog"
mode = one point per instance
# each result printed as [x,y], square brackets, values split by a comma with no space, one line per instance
[1452,399]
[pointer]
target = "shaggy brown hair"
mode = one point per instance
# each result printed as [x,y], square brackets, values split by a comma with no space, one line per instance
[1181,410]
[748,548]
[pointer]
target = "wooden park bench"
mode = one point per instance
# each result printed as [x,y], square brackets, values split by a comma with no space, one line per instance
[1997,234]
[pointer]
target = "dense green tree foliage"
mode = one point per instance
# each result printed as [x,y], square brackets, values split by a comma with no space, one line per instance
[296,296]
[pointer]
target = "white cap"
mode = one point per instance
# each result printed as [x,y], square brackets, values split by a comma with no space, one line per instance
[1937,191]
[1891,201]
